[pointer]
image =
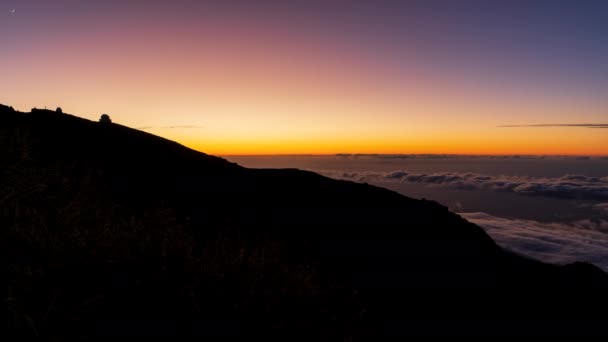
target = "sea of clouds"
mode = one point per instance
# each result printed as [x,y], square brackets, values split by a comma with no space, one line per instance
[552,242]
[559,243]
[565,197]
[568,186]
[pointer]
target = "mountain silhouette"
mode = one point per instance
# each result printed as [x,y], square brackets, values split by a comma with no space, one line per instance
[108,231]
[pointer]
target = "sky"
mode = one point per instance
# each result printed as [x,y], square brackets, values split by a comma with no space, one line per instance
[320,77]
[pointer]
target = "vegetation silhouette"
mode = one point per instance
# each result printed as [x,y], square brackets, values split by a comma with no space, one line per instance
[105,119]
[107,231]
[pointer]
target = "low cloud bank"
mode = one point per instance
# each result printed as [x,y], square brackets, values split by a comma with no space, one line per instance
[584,125]
[568,186]
[465,156]
[558,243]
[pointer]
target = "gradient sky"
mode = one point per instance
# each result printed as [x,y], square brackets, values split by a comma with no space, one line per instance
[229,77]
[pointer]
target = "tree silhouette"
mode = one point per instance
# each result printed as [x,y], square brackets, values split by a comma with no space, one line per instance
[105,119]
[59,110]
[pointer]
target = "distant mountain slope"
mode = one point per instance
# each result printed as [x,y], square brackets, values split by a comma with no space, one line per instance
[108,231]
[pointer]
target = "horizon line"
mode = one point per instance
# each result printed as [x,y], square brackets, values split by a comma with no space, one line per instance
[582,125]
[412,154]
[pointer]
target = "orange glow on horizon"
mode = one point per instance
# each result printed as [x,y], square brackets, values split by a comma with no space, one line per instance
[246,88]
[529,144]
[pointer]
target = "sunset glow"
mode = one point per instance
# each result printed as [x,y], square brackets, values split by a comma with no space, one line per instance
[242,81]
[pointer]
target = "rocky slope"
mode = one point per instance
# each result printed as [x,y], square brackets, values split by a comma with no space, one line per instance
[109,231]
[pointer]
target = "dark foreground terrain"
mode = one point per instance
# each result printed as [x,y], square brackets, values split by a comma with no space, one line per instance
[108,231]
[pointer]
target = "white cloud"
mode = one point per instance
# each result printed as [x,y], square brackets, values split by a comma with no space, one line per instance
[568,186]
[558,243]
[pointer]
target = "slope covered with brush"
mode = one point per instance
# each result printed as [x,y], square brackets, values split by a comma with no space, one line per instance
[107,231]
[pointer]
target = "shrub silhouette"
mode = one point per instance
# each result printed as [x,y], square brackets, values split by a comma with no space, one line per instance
[59,110]
[105,119]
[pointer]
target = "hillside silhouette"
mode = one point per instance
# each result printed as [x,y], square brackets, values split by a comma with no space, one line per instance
[109,231]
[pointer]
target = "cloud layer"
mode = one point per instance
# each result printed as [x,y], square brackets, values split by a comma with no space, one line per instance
[467,156]
[600,125]
[568,186]
[557,243]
